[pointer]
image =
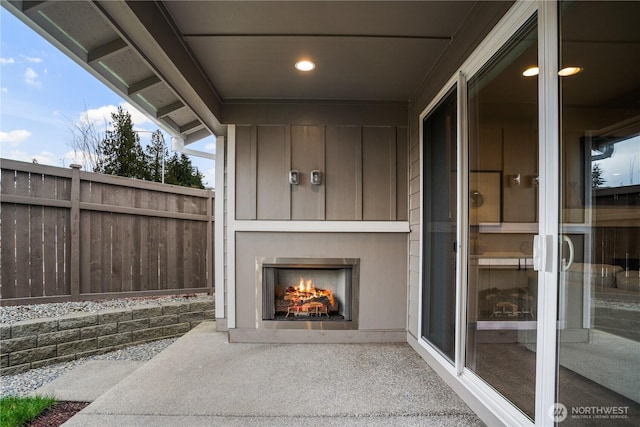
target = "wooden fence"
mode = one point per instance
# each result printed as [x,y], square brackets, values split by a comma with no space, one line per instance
[67,235]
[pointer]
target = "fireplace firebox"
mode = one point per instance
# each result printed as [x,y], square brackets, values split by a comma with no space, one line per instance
[308,290]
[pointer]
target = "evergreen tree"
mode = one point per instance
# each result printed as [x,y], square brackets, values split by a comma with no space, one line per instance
[597,180]
[180,171]
[157,155]
[121,151]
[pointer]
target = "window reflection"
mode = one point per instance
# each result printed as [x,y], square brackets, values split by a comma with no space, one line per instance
[616,164]
[440,221]
[503,203]
[599,289]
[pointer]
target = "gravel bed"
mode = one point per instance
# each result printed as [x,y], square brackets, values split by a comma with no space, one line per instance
[630,305]
[11,314]
[26,382]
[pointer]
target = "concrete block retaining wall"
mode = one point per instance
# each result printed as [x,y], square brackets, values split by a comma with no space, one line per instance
[619,321]
[34,343]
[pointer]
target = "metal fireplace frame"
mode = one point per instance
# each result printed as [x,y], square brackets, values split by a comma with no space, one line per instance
[309,263]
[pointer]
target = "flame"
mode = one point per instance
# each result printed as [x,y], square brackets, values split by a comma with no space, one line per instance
[306,287]
[306,290]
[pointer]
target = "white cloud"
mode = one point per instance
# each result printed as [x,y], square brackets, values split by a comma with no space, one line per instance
[31,78]
[43,158]
[209,179]
[101,115]
[47,158]
[138,118]
[5,90]
[78,157]
[32,59]
[14,137]
[211,146]
[98,116]
[7,61]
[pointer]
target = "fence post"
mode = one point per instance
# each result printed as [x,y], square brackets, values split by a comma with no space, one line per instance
[210,264]
[75,232]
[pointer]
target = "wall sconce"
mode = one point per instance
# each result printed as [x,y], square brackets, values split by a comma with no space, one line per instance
[535,181]
[515,180]
[316,177]
[294,177]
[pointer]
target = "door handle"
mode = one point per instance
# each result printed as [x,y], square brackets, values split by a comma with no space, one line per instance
[538,253]
[567,263]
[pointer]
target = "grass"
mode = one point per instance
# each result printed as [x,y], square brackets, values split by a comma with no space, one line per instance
[16,411]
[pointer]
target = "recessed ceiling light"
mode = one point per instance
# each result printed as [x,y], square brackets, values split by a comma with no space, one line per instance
[569,71]
[305,65]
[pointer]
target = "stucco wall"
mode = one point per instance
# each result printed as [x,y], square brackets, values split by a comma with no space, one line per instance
[383,271]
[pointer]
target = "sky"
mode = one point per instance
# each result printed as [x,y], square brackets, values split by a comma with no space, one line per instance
[623,167]
[42,90]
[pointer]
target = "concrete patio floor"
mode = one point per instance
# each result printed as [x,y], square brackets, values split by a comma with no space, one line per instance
[203,380]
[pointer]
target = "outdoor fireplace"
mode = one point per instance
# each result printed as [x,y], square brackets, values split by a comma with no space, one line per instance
[311,290]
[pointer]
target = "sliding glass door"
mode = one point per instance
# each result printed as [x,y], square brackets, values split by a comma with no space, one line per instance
[598,339]
[439,153]
[503,203]
[531,239]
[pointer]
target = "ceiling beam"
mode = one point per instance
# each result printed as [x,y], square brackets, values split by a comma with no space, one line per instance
[191,127]
[196,136]
[108,50]
[173,125]
[168,109]
[32,6]
[141,85]
[151,32]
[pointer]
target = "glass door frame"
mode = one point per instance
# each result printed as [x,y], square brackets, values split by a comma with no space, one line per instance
[547,241]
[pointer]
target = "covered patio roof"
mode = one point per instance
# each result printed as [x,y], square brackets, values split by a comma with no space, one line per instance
[181,62]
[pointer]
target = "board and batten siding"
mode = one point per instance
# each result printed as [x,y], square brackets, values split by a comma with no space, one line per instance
[364,172]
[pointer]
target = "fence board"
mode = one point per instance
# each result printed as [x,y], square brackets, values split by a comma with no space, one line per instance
[8,232]
[36,255]
[173,256]
[117,256]
[86,241]
[127,252]
[111,242]
[96,265]
[86,250]
[23,284]
[188,254]
[63,188]
[135,237]
[49,216]
[197,252]
[49,248]
[141,231]
[153,250]
[36,224]
[8,182]
[109,283]
[63,247]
